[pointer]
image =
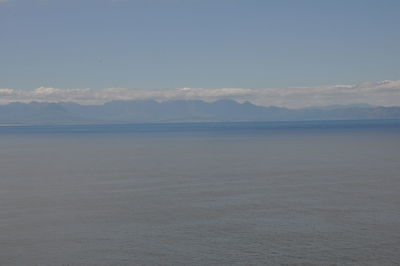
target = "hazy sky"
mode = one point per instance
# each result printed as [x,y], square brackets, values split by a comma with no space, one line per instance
[167,44]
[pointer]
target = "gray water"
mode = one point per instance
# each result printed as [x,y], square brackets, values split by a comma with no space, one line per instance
[320,193]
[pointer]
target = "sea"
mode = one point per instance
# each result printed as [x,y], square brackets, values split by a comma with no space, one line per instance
[246,193]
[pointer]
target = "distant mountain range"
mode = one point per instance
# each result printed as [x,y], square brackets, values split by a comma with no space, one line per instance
[115,112]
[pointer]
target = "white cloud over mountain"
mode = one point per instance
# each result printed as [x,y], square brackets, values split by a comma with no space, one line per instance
[384,93]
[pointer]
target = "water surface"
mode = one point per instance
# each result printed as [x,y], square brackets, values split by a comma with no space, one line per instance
[283,193]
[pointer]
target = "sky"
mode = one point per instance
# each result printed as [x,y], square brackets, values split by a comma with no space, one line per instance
[291,53]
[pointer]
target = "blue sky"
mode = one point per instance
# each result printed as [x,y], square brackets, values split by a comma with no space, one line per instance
[152,44]
[292,53]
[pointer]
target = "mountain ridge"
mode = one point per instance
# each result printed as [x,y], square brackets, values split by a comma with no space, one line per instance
[150,111]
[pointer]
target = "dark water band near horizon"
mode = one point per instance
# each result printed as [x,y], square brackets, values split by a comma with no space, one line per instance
[254,193]
[210,127]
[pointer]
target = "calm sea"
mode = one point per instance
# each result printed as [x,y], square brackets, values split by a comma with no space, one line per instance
[281,193]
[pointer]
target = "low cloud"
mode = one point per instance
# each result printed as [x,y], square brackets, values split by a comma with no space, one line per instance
[384,93]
